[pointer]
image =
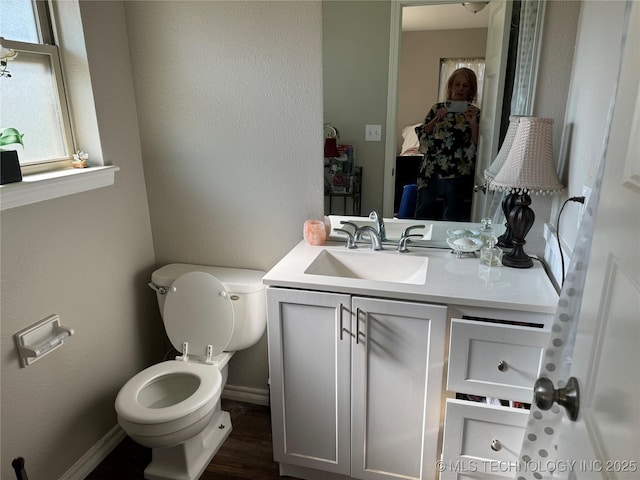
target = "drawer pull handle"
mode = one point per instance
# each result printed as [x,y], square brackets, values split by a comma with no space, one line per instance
[502,366]
[496,446]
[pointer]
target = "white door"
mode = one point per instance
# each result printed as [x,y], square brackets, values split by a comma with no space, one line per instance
[605,440]
[398,365]
[494,79]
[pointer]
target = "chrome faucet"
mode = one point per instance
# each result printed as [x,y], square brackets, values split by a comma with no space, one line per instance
[406,238]
[374,238]
[351,241]
[381,230]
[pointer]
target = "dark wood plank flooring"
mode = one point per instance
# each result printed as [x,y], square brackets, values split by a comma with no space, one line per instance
[246,454]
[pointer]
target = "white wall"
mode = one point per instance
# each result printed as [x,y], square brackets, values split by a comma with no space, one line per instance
[229,98]
[592,89]
[86,257]
[551,94]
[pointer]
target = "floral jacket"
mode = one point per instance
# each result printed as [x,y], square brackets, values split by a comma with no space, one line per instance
[448,150]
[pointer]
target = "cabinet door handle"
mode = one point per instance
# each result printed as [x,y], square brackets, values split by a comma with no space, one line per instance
[340,321]
[357,335]
[496,445]
[502,366]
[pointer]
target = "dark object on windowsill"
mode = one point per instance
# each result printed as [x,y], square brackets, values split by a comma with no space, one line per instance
[9,167]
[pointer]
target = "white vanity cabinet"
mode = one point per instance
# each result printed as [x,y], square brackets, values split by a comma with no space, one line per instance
[356,384]
[365,366]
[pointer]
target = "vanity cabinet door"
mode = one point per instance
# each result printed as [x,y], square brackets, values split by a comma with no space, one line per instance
[309,363]
[397,380]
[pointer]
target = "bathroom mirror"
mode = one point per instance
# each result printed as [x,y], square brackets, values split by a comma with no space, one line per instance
[360,90]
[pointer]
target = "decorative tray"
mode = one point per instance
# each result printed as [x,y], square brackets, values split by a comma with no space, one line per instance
[465,245]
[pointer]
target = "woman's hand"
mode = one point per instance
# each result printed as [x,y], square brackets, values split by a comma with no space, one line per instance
[441,113]
[471,114]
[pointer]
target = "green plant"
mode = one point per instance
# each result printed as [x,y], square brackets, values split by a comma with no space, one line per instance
[9,136]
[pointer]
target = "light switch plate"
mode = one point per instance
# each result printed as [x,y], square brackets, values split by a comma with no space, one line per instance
[373,133]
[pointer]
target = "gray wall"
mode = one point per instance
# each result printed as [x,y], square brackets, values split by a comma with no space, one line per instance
[86,257]
[229,117]
[229,98]
[355,46]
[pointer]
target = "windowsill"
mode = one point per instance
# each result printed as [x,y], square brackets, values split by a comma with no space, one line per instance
[46,186]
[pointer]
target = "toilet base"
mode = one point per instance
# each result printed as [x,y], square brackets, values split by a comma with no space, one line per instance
[188,460]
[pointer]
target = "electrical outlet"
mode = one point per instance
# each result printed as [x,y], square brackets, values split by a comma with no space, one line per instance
[373,133]
[586,191]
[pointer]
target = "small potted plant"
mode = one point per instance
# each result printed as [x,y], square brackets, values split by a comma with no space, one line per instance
[9,163]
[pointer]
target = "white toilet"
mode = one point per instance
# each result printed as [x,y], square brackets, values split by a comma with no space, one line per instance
[174,407]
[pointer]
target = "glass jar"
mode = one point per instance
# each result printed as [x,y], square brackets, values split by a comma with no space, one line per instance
[486,231]
[490,254]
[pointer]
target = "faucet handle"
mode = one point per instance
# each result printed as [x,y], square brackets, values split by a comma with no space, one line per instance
[402,244]
[347,222]
[351,241]
[409,229]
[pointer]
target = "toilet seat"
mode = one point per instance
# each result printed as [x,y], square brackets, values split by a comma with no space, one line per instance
[198,312]
[185,411]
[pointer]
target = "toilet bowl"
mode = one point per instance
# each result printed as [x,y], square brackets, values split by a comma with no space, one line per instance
[173,407]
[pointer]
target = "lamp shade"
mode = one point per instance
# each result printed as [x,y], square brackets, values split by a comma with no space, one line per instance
[491,172]
[529,166]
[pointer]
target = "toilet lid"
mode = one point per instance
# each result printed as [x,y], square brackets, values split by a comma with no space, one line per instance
[198,310]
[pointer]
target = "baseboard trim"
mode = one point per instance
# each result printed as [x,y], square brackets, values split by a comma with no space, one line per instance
[257,396]
[96,454]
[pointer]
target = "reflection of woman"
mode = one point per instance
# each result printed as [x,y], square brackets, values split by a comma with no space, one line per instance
[448,139]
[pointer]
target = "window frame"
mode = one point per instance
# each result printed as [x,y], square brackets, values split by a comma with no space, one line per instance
[47,48]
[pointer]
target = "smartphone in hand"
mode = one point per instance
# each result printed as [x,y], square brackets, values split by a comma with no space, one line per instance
[456,106]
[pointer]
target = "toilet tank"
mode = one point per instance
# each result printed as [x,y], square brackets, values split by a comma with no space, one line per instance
[246,290]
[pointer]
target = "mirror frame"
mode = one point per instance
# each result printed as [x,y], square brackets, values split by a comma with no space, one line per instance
[392,94]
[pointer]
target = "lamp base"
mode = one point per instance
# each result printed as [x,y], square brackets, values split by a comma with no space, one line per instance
[517,259]
[520,219]
[508,203]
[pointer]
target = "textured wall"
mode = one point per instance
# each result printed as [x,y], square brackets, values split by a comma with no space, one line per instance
[229,98]
[86,257]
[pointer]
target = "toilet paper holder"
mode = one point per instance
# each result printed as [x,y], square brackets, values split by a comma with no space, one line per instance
[40,339]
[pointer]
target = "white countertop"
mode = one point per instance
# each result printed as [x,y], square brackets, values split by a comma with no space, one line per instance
[450,280]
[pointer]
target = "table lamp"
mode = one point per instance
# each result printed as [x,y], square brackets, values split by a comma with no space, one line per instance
[528,168]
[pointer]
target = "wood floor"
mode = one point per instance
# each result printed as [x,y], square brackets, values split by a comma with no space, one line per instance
[246,454]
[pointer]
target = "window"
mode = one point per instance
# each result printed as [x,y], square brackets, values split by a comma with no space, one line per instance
[32,94]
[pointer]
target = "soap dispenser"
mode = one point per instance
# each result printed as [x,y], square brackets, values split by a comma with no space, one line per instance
[486,231]
[490,254]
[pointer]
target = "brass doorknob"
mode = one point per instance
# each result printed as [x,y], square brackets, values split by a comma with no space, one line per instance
[545,395]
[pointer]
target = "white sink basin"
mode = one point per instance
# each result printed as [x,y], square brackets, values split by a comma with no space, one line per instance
[374,266]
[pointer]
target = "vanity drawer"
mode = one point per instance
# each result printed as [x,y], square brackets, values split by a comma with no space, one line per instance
[495,360]
[481,441]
